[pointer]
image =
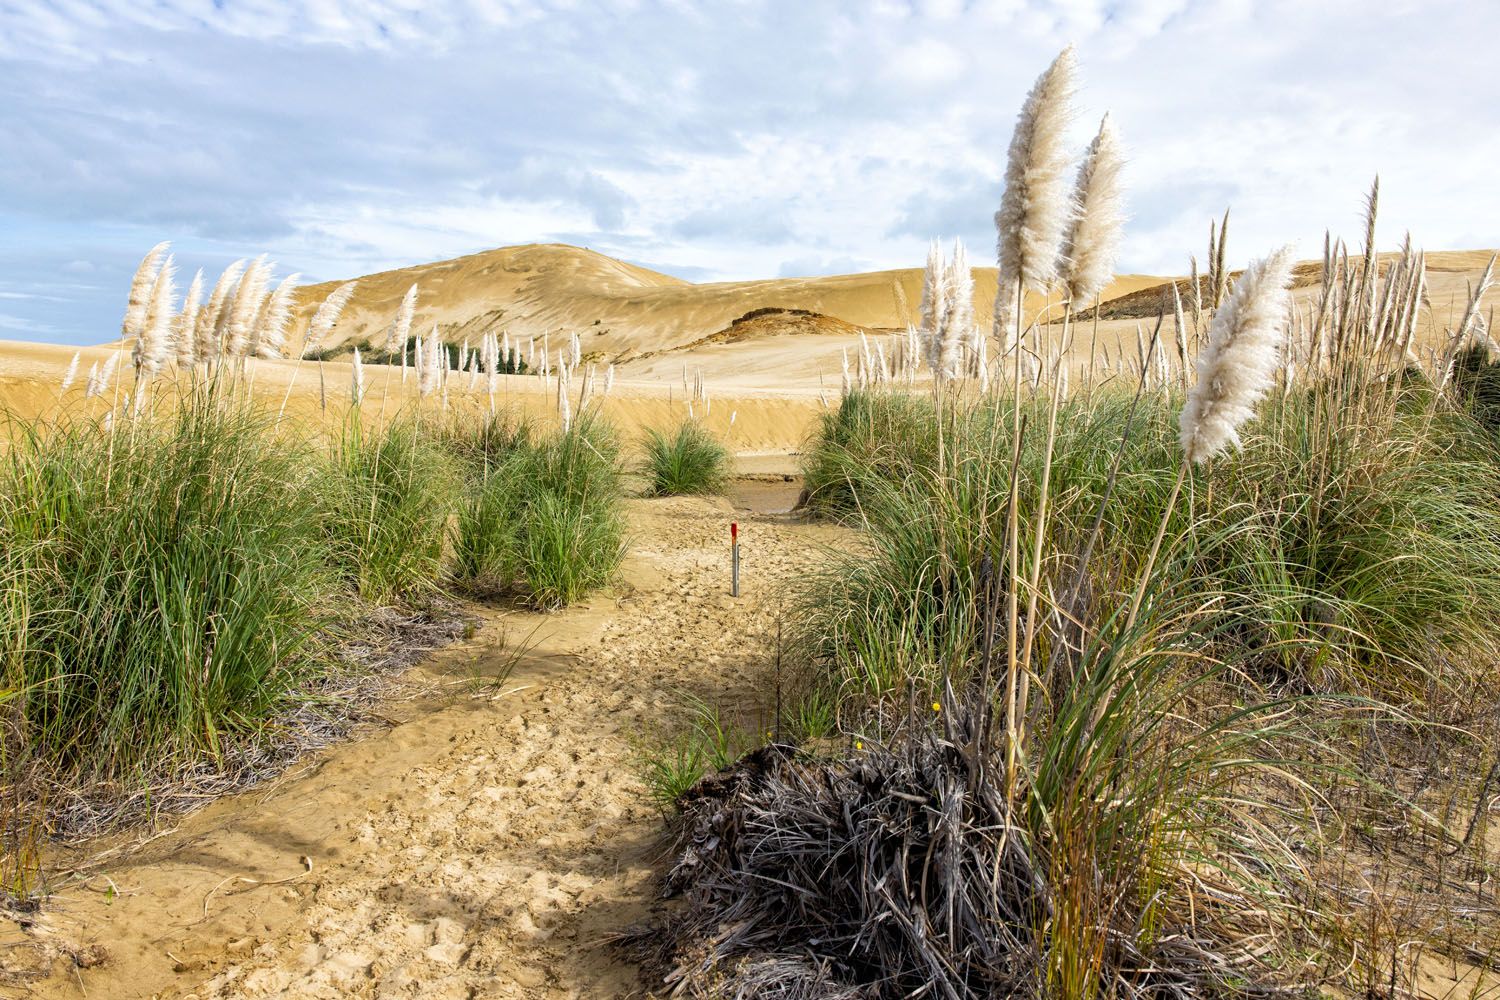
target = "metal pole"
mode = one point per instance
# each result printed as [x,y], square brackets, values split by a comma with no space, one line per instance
[734,551]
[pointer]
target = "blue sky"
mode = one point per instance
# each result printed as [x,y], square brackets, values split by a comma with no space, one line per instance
[709,140]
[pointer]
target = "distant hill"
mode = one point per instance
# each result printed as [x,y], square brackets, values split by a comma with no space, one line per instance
[624,311]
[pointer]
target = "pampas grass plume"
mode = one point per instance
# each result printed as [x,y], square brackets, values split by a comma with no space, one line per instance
[184,327]
[71,375]
[401,328]
[357,378]
[211,317]
[270,334]
[242,312]
[156,329]
[1035,209]
[326,318]
[933,305]
[134,323]
[1093,239]
[1238,365]
[958,312]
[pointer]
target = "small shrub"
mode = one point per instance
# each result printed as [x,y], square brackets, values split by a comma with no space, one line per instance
[689,461]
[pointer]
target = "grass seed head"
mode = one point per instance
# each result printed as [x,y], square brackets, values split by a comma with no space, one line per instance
[1239,363]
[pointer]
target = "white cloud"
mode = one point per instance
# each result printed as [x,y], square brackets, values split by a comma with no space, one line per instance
[344,135]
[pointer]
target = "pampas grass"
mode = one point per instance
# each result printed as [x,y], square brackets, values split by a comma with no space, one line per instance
[184,327]
[240,316]
[1093,238]
[326,318]
[1035,209]
[269,339]
[357,379]
[70,375]
[958,312]
[687,461]
[1238,365]
[206,330]
[133,327]
[400,330]
[153,345]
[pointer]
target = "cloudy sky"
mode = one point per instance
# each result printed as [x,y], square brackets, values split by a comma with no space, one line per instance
[710,140]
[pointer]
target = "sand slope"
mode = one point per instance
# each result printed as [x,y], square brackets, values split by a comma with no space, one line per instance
[621,310]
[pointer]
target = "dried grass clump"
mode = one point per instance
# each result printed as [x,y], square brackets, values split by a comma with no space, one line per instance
[904,870]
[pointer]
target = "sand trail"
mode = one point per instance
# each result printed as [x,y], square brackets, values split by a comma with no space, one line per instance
[484,845]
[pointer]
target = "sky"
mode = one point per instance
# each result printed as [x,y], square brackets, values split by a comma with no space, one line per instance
[714,141]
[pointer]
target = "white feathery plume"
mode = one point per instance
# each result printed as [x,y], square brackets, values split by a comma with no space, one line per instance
[732,415]
[1035,209]
[357,378]
[134,323]
[609,378]
[99,385]
[326,318]
[429,377]
[1093,239]
[242,312]
[91,381]
[1238,364]
[577,350]
[211,316]
[933,306]
[152,345]
[958,312]
[71,375]
[184,327]
[271,324]
[400,329]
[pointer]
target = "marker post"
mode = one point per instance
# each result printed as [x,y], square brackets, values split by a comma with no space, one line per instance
[734,559]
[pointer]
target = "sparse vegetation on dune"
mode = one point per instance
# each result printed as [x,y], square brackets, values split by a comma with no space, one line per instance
[542,517]
[689,460]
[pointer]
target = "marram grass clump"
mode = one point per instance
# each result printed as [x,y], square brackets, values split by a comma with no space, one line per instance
[687,461]
[168,585]
[388,497]
[544,518]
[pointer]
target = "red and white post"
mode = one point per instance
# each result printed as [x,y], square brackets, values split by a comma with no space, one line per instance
[734,559]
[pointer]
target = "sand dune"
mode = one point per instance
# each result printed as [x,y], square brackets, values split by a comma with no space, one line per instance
[773,371]
[622,311]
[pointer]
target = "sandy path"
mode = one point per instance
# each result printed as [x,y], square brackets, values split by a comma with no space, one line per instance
[481,847]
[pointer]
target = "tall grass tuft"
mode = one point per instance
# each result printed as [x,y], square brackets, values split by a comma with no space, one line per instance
[389,496]
[687,461]
[543,515]
[167,585]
